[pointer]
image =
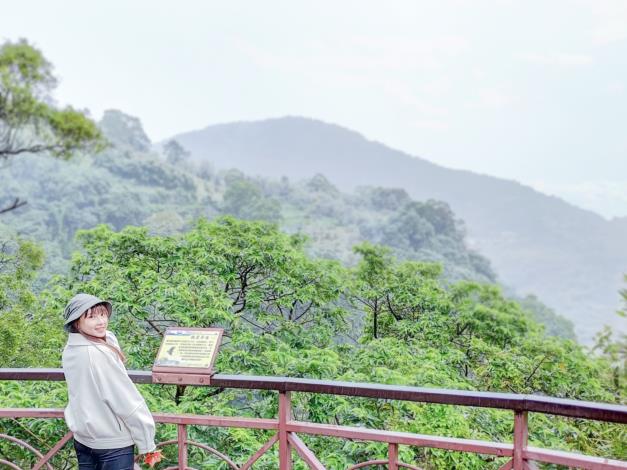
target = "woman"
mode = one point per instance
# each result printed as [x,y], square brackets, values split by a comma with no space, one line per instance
[105,412]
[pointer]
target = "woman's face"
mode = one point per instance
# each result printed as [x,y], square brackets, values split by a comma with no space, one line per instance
[94,321]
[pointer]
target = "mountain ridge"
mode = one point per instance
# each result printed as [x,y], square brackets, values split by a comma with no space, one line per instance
[230,125]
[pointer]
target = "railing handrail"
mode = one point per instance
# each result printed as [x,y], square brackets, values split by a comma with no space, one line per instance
[607,412]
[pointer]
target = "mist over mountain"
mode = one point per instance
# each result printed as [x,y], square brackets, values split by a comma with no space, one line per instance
[571,258]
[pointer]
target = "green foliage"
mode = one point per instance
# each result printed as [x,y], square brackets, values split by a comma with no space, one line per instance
[286,313]
[430,231]
[396,296]
[244,276]
[335,222]
[244,199]
[117,187]
[19,262]
[28,123]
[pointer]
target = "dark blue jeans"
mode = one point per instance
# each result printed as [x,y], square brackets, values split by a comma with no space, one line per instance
[103,459]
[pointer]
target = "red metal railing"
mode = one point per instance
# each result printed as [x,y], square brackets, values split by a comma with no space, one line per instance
[521,456]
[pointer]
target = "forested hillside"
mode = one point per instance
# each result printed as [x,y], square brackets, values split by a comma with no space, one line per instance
[571,258]
[128,185]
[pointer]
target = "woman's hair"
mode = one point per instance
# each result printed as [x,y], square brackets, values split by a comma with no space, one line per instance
[96,309]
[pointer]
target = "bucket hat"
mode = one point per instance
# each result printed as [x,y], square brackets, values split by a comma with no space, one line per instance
[78,305]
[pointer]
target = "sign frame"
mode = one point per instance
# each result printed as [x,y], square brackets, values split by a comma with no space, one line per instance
[182,375]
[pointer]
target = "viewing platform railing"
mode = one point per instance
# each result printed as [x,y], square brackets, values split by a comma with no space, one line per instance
[520,455]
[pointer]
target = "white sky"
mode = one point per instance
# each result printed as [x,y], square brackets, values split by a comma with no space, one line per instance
[534,91]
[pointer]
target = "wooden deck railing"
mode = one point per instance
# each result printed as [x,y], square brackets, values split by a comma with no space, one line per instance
[520,455]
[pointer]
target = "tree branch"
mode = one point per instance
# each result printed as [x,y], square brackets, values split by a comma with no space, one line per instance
[10,152]
[535,369]
[389,303]
[304,311]
[17,203]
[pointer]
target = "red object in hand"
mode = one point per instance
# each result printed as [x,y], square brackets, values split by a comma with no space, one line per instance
[151,458]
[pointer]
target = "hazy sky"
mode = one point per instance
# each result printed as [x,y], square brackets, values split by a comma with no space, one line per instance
[534,91]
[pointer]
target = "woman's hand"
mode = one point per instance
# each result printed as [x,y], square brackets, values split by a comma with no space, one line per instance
[151,458]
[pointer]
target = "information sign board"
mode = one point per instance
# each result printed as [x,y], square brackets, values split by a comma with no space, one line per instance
[186,355]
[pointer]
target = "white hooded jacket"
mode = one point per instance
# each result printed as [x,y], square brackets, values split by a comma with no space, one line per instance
[105,409]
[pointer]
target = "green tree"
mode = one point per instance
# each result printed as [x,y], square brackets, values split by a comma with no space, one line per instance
[279,308]
[398,297]
[371,277]
[175,153]
[19,262]
[28,122]
[245,200]
[247,277]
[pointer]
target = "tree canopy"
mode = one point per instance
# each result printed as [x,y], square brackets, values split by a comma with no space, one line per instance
[175,153]
[286,313]
[29,123]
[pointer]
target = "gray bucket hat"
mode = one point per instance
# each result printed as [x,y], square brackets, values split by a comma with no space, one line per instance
[78,305]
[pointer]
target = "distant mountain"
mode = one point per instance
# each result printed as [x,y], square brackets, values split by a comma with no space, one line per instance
[571,258]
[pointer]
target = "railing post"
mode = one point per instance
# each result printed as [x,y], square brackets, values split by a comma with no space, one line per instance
[521,434]
[182,442]
[285,414]
[393,456]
